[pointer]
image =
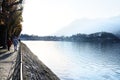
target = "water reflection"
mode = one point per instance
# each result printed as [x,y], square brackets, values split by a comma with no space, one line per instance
[79,61]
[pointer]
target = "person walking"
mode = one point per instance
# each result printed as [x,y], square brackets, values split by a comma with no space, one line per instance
[15,43]
[9,43]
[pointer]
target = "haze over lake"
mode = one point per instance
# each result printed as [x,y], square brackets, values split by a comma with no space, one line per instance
[79,61]
[73,60]
[45,17]
[88,26]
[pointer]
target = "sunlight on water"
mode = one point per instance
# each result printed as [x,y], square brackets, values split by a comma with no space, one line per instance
[79,61]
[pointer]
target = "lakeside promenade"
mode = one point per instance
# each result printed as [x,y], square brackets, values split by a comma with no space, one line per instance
[9,61]
[23,65]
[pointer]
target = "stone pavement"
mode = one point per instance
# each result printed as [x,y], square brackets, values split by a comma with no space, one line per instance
[7,62]
[23,65]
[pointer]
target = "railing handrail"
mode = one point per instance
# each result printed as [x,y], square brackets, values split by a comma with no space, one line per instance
[21,75]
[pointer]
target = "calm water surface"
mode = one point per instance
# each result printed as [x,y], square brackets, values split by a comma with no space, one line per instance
[79,61]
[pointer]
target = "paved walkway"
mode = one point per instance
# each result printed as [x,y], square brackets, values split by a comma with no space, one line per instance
[7,62]
[33,69]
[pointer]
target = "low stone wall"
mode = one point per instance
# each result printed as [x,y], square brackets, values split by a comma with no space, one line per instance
[33,68]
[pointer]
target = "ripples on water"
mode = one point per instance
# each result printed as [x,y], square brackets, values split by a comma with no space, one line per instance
[79,61]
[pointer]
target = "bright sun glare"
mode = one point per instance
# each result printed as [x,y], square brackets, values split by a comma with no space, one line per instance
[44,17]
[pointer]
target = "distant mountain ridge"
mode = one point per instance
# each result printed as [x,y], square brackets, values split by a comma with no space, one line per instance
[88,26]
[95,37]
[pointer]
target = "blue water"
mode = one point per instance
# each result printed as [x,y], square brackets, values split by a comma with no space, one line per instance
[79,61]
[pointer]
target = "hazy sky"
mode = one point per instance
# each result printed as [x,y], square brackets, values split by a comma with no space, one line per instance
[44,17]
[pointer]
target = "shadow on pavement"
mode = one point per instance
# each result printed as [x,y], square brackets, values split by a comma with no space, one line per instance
[6,55]
[3,51]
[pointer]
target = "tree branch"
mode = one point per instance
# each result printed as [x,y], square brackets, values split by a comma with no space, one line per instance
[16,10]
[16,3]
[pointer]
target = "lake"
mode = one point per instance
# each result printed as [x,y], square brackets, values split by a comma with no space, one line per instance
[79,61]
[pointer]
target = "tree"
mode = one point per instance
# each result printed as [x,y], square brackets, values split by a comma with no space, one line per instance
[10,18]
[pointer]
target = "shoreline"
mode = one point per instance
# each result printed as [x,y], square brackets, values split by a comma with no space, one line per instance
[33,68]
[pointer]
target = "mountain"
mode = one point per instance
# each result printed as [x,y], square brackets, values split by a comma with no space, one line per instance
[103,37]
[95,37]
[88,26]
